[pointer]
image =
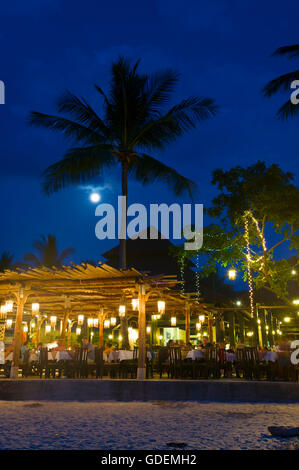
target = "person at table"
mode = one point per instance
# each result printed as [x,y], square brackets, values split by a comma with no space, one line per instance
[171,343]
[9,348]
[24,349]
[205,343]
[108,348]
[90,347]
[60,346]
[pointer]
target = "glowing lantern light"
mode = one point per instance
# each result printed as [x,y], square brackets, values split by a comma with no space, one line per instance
[35,307]
[135,304]
[296,302]
[198,326]
[78,331]
[96,322]
[9,323]
[9,306]
[47,329]
[106,323]
[122,310]
[80,320]
[173,321]
[53,320]
[286,319]
[148,329]
[3,310]
[90,322]
[113,321]
[201,318]
[231,274]
[25,328]
[161,306]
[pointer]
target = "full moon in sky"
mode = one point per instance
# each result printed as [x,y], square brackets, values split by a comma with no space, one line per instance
[95,197]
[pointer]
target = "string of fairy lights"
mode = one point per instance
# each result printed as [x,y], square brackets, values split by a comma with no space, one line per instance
[249,271]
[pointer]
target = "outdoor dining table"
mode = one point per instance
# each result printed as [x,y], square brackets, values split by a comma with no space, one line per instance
[59,356]
[195,354]
[271,356]
[122,355]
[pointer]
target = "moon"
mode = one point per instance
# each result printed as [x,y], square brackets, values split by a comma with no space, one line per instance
[95,197]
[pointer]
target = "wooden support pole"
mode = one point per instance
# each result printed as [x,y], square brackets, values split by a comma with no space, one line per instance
[101,327]
[219,329]
[66,316]
[231,319]
[241,328]
[187,322]
[210,328]
[21,299]
[141,371]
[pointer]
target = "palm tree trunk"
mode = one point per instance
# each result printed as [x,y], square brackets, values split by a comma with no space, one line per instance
[123,256]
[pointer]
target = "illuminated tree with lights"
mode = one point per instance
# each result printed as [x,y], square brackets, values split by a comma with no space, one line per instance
[254,205]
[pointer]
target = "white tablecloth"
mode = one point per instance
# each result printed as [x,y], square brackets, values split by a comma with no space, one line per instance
[231,357]
[63,356]
[195,354]
[271,356]
[123,355]
[60,356]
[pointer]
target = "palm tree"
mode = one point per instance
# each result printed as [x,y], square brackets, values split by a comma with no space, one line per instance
[6,261]
[47,253]
[133,121]
[283,82]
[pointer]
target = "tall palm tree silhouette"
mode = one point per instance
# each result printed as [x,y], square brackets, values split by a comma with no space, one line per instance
[283,82]
[133,121]
[48,254]
[6,261]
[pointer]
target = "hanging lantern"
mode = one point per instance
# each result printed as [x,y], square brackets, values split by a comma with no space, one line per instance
[122,310]
[53,320]
[9,306]
[32,324]
[201,318]
[25,328]
[198,326]
[135,304]
[80,320]
[161,306]
[47,329]
[35,307]
[95,322]
[113,321]
[90,322]
[78,331]
[173,321]
[106,323]
[3,311]
[232,274]
[148,330]
[9,323]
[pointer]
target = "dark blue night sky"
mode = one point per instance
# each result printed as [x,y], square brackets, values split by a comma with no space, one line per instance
[222,50]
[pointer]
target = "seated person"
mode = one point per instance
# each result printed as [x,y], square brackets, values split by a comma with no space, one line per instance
[23,350]
[108,348]
[9,348]
[205,343]
[60,346]
[90,347]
